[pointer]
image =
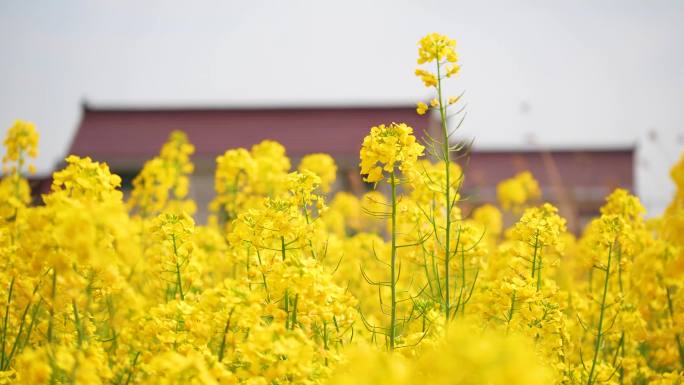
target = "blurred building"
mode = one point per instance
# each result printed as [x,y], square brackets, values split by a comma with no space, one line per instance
[575,179]
[126,137]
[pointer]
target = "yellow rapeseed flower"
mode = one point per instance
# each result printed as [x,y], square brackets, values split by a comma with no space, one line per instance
[323,165]
[21,141]
[515,192]
[387,148]
[437,48]
[421,108]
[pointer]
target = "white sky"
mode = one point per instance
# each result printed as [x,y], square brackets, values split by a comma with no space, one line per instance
[591,73]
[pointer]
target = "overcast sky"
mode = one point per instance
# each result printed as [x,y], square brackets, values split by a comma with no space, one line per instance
[556,73]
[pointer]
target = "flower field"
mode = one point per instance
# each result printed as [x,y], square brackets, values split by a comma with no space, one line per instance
[290,283]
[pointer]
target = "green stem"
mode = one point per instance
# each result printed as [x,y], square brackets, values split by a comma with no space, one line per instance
[462,301]
[77,322]
[287,309]
[34,313]
[282,247]
[293,323]
[447,189]
[678,340]
[263,276]
[393,260]
[178,274]
[308,221]
[53,296]
[537,261]
[511,310]
[17,338]
[618,253]
[539,273]
[599,333]
[132,369]
[433,260]
[325,340]
[534,255]
[5,324]
[223,339]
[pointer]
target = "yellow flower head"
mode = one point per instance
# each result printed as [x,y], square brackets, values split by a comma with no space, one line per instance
[421,108]
[323,165]
[620,222]
[86,180]
[174,227]
[177,150]
[302,186]
[164,180]
[621,203]
[233,169]
[21,140]
[490,218]
[540,226]
[437,47]
[272,153]
[272,167]
[387,147]
[515,192]
[428,78]
[176,153]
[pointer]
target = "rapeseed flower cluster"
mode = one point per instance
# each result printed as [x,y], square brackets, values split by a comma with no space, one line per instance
[164,181]
[289,282]
[517,192]
[389,148]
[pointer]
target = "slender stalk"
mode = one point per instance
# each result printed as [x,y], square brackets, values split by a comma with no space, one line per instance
[337,329]
[618,253]
[287,309]
[179,281]
[223,339]
[5,324]
[621,344]
[282,247]
[537,261]
[447,189]
[534,255]
[132,369]
[17,338]
[511,310]
[27,339]
[678,340]
[263,276]
[308,221]
[53,295]
[293,323]
[77,322]
[325,340]
[393,283]
[461,300]
[433,260]
[599,332]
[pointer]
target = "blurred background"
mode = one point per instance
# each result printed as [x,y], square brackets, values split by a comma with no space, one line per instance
[586,94]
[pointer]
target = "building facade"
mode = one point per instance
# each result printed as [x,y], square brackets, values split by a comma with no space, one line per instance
[575,179]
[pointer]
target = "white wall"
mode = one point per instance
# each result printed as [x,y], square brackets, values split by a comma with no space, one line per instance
[556,73]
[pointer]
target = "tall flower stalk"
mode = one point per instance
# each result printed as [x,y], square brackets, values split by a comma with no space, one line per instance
[385,151]
[440,49]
